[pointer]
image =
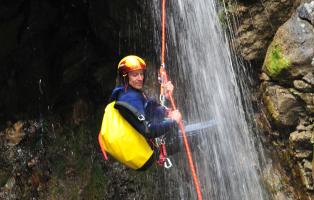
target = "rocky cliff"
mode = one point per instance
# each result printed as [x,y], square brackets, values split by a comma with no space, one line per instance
[276,37]
[57,69]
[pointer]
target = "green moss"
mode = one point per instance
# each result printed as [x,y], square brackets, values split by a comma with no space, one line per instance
[97,184]
[74,192]
[223,19]
[57,155]
[80,148]
[276,61]
[4,176]
[55,191]
[59,166]
[70,150]
[226,10]
[271,108]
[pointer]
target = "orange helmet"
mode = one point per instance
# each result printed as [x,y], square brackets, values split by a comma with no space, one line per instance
[130,63]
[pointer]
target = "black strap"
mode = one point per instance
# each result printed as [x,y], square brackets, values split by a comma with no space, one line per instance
[130,108]
[134,117]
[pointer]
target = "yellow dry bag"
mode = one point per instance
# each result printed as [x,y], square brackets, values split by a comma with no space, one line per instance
[122,141]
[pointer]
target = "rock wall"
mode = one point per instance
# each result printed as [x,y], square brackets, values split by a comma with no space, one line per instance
[256,24]
[57,69]
[277,38]
[53,52]
[287,90]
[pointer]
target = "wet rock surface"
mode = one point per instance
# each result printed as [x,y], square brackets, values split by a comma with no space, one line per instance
[257,22]
[62,161]
[278,38]
[306,12]
[58,66]
[275,179]
[284,107]
[24,172]
[293,43]
[54,52]
[287,95]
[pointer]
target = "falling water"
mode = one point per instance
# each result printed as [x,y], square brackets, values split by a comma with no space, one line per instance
[207,88]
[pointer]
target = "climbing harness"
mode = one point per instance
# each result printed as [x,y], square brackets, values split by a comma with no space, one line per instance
[163,160]
[164,79]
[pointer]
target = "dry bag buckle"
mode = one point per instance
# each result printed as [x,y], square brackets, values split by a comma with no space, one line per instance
[141,118]
[167,163]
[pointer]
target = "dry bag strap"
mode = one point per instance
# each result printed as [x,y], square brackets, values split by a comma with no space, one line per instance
[130,108]
[102,146]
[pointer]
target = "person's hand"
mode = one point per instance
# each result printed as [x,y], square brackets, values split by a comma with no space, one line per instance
[168,88]
[175,115]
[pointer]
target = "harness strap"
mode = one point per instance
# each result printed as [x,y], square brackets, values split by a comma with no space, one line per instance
[162,155]
[163,159]
[102,146]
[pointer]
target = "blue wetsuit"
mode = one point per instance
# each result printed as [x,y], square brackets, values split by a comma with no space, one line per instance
[156,123]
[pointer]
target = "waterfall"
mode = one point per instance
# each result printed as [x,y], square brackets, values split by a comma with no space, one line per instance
[200,64]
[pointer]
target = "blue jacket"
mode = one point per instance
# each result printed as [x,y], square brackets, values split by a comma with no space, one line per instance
[156,123]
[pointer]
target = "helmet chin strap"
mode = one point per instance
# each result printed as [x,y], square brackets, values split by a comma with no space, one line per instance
[126,84]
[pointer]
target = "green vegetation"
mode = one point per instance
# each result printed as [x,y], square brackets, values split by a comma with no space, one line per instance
[275,61]
[4,176]
[96,186]
[271,109]
[227,9]
[76,171]
[223,19]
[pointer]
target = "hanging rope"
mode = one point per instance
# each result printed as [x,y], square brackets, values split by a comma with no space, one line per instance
[163,32]
[164,79]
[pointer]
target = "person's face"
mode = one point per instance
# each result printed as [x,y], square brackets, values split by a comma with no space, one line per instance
[136,79]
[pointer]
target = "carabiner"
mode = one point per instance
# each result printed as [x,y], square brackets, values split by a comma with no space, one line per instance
[167,163]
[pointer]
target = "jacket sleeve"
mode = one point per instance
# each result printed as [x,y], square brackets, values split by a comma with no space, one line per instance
[158,123]
[160,128]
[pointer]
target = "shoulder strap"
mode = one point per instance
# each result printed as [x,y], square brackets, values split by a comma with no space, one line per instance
[131,109]
[134,117]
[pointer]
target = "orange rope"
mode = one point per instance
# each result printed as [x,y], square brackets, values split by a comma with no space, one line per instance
[163,32]
[164,78]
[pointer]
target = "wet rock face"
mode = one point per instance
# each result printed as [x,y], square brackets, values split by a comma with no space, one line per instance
[288,94]
[55,160]
[288,62]
[291,52]
[54,52]
[306,12]
[23,171]
[301,145]
[283,107]
[14,134]
[258,22]
[275,183]
[58,60]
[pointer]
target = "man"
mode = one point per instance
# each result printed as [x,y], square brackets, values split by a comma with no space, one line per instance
[149,118]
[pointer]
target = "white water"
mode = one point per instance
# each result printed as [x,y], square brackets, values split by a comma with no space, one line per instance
[200,64]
